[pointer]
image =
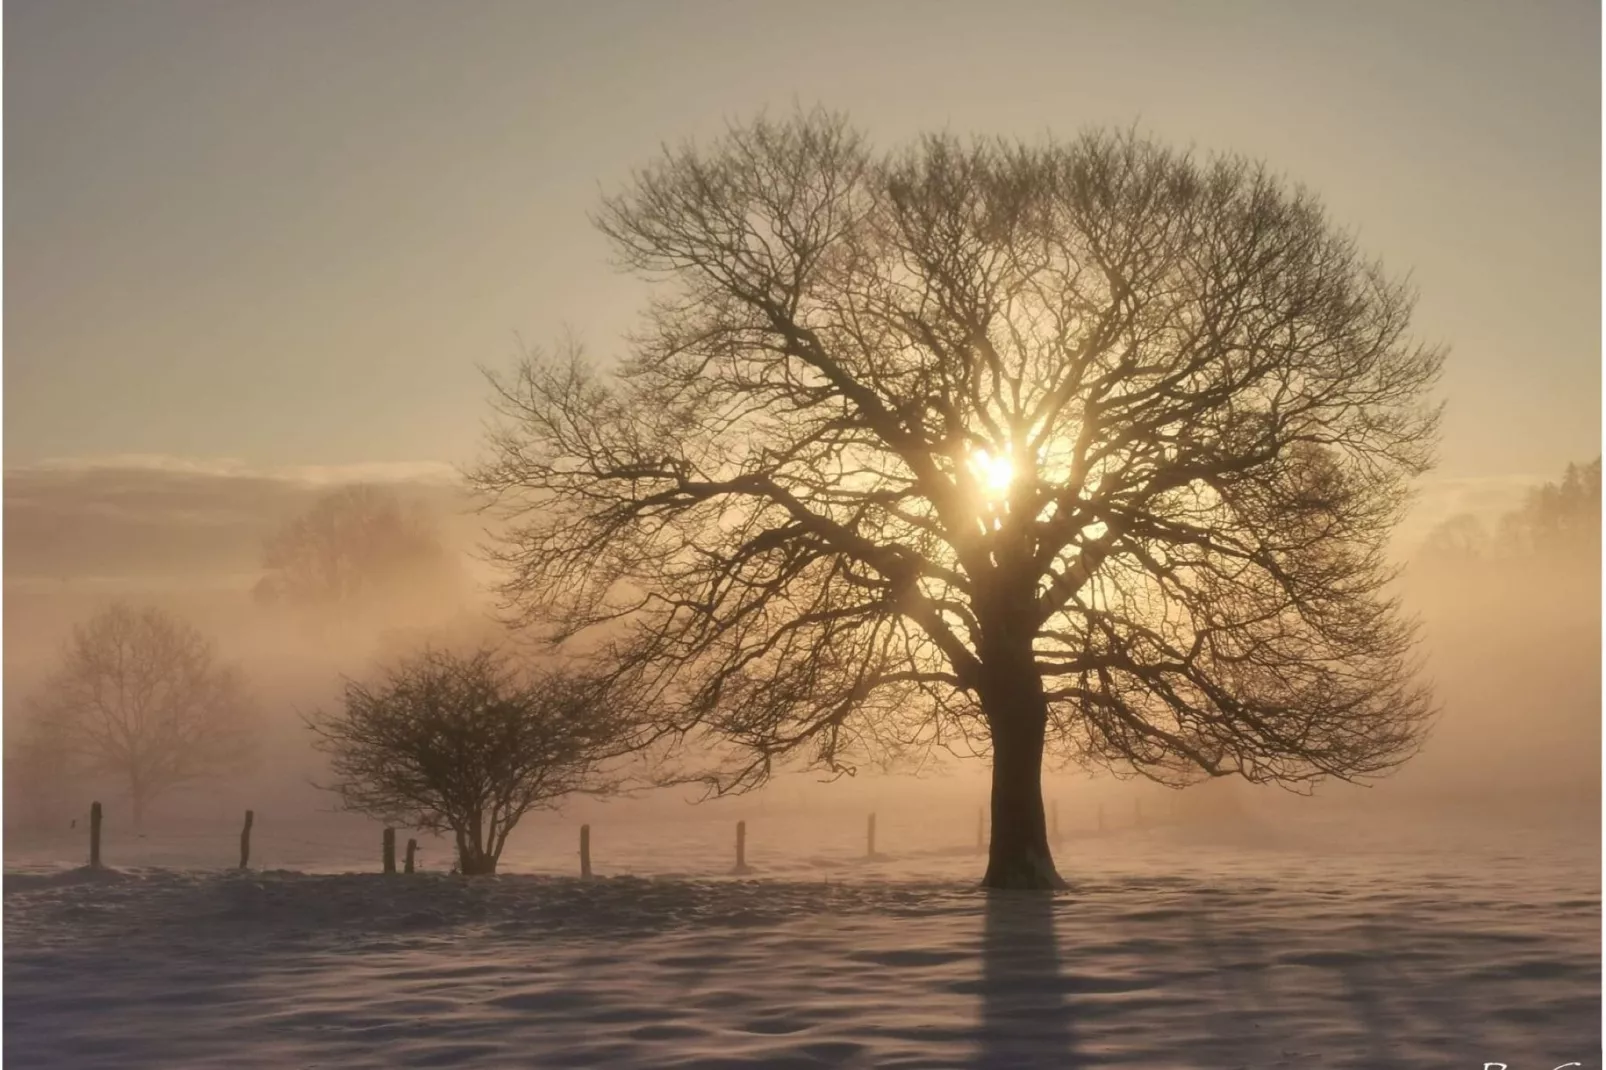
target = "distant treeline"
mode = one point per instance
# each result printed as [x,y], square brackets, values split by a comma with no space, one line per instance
[1558,521]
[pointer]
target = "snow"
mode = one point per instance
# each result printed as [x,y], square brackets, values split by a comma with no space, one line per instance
[1330,944]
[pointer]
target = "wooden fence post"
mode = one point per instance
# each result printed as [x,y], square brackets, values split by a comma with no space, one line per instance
[1101,817]
[585,850]
[869,846]
[94,835]
[981,839]
[390,850]
[412,849]
[1054,812]
[741,846]
[245,839]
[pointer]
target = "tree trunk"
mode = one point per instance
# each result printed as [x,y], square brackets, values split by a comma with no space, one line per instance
[473,860]
[1019,855]
[478,864]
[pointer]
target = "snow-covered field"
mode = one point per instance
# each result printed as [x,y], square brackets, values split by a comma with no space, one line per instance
[1340,945]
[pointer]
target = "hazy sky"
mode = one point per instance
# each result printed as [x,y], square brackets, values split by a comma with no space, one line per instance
[289,232]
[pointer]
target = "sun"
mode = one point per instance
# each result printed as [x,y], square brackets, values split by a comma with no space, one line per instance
[993,473]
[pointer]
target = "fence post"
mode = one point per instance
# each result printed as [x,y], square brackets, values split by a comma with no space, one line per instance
[869,846]
[94,835]
[585,850]
[390,850]
[981,840]
[1137,811]
[412,849]
[1101,817]
[245,839]
[1054,811]
[741,846]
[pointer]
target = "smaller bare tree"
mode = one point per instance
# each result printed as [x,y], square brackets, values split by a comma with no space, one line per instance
[141,694]
[465,743]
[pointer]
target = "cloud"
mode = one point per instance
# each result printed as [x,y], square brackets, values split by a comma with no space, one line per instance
[434,472]
[117,520]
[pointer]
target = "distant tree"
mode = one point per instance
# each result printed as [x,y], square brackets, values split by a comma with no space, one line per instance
[465,743]
[1460,539]
[1088,447]
[141,695]
[357,548]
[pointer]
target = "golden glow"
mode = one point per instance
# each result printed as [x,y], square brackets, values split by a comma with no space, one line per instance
[993,473]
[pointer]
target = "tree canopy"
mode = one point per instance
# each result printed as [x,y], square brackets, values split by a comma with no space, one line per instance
[465,743]
[1086,446]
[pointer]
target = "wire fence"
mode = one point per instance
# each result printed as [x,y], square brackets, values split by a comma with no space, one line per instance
[776,843]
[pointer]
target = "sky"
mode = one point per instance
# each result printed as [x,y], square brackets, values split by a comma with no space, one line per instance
[291,233]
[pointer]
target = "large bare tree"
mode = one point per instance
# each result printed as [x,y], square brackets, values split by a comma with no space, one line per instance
[1089,447]
[140,694]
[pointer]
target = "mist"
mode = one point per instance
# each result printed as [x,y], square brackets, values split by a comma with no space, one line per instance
[1512,646]
[192,542]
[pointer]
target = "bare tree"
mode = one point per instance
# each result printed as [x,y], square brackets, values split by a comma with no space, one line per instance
[141,694]
[466,743]
[357,548]
[1088,448]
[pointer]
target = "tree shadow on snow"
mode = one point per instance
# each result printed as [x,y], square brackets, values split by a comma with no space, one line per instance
[1025,1015]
